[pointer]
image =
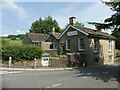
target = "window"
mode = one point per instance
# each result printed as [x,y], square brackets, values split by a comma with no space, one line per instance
[81,45]
[110,45]
[96,45]
[67,44]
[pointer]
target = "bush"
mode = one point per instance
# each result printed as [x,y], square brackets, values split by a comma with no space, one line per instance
[20,52]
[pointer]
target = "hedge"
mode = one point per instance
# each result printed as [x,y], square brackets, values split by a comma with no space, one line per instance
[21,52]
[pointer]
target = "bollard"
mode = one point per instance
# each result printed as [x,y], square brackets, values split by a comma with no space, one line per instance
[35,61]
[83,64]
[10,60]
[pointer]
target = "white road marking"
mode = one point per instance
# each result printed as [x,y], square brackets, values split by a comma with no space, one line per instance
[6,72]
[55,85]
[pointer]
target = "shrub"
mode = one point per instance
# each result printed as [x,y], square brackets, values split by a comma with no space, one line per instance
[20,52]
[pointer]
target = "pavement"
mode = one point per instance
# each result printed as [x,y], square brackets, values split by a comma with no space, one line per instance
[10,72]
[37,69]
[89,77]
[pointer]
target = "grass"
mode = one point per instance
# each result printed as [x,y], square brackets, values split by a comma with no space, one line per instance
[7,41]
[15,42]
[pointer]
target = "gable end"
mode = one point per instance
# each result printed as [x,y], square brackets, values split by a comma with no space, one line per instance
[75,29]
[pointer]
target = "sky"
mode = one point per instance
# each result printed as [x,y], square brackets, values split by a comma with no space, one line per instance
[17,17]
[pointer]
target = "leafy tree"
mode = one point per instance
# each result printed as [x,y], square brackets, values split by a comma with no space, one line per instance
[79,24]
[45,25]
[13,38]
[112,22]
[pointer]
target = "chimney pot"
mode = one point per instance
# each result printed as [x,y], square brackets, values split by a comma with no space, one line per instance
[53,30]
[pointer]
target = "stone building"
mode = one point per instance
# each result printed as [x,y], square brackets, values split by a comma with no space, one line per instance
[36,39]
[85,45]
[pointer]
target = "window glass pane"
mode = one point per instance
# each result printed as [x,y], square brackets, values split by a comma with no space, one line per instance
[96,44]
[68,44]
[81,43]
[110,45]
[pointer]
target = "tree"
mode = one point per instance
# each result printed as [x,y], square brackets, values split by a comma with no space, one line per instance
[79,24]
[45,25]
[112,22]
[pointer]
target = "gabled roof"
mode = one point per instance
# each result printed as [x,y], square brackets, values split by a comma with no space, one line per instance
[96,33]
[89,32]
[56,35]
[35,37]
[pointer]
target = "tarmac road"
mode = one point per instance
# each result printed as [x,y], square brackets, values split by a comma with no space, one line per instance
[90,77]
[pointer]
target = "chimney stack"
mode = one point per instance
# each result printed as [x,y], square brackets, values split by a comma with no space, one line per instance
[72,20]
[53,30]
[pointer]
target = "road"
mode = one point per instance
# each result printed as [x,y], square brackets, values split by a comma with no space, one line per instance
[90,77]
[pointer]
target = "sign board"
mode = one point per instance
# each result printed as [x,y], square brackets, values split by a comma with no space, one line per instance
[45,61]
[72,33]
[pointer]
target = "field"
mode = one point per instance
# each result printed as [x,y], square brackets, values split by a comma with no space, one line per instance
[7,41]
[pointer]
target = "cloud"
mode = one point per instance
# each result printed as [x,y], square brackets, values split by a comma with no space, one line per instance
[20,11]
[5,35]
[95,12]
[19,31]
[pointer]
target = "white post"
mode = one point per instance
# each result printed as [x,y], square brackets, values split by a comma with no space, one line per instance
[10,60]
[35,61]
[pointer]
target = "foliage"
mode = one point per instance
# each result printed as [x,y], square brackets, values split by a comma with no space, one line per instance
[112,22]
[117,51]
[20,52]
[79,24]
[61,51]
[117,35]
[5,42]
[45,25]
[17,51]
[14,37]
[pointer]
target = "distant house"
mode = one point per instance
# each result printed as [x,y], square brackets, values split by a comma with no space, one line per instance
[36,39]
[89,46]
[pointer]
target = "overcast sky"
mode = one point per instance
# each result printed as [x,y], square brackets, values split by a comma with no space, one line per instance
[16,17]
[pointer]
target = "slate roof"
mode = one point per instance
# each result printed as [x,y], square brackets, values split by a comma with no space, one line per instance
[96,33]
[36,37]
[56,35]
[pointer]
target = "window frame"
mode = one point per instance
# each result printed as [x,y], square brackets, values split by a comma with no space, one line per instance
[67,44]
[96,44]
[109,45]
[79,44]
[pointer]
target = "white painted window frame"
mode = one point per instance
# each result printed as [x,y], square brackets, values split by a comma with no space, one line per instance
[110,45]
[79,45]
[67,44]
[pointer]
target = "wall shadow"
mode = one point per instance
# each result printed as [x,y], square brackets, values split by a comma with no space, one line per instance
[105,73]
